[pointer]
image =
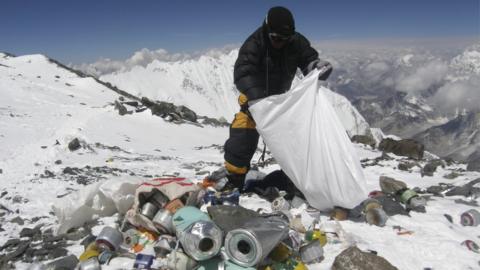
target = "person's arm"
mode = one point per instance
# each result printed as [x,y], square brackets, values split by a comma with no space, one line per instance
[248,75]
[310,59]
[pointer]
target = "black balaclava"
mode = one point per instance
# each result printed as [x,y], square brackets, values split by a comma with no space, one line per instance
[280,21]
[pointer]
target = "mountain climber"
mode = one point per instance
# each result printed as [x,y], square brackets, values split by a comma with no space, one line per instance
[266,65]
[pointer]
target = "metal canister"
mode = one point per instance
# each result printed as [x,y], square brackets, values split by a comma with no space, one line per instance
[470,218]
[311,252]
[280,204]
[199,236]
[164,245]
[159,199]
[90,264]
[471,246]
[376,216]
[131,237]
[109,238]
[149,210]
[254,240]
[370,203]
[163,221]
[406,195]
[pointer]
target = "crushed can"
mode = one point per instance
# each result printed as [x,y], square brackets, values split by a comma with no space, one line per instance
[294,240]
[280,204]
[105,257]
[311,252]
[470,218]
[174,205]
[159,199]
[163,221]
[339,213]
[143,261]
[149,210]
[376,216]
[131,237]
[109,238]
[164,245]
[471,246]
[222,198]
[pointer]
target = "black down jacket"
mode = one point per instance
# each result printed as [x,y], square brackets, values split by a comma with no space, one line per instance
[257,56]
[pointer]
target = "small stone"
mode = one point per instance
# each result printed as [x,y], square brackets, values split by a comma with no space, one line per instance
[74,144]
[451,175]
[43,147]
[17,199]
[58,252]
[68,262]
[448,217]
[11,242]
[1,171]
[3,194]
[354,258]
[29,232]
[58,162]
[22,247]
[18,220]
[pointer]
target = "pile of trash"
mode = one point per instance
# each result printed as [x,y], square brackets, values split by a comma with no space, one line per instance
[174,223]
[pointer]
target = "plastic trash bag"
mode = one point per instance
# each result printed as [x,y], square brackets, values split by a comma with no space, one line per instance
[307,139]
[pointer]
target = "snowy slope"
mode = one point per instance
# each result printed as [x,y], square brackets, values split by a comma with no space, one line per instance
[38,111]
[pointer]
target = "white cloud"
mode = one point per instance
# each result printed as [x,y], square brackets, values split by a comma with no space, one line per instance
[423,77]
[144,57]
[459,95]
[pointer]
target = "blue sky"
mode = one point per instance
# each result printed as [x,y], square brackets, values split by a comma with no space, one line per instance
[83,31]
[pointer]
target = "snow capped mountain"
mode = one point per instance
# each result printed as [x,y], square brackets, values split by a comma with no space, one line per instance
[398,113]
[204,84]
[468,62]
[458,138]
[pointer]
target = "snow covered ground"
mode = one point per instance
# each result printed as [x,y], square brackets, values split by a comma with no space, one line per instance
[43,107]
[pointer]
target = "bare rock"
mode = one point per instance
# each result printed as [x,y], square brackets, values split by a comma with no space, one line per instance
[74,144]
[355,259]
[364,139]
[18,220]
[407,147]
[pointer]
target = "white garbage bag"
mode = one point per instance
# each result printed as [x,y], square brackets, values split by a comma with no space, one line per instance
[310,144]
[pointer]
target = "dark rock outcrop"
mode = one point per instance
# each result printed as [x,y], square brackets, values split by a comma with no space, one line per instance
[364,139]
[407,147]
[354,259]
[74,144]
[466,190]
[474,161]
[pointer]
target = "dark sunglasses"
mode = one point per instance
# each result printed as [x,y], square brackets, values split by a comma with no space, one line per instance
[278,38]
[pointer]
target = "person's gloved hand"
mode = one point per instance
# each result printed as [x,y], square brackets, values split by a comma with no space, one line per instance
[324,66]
